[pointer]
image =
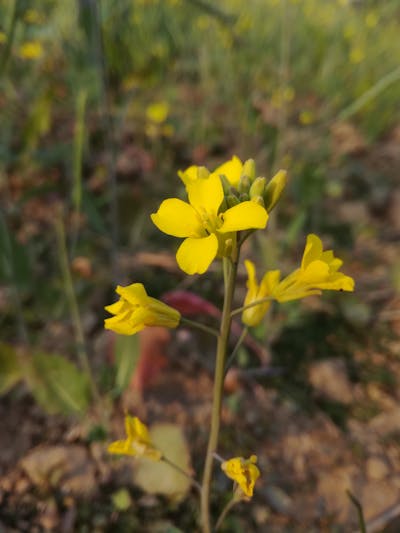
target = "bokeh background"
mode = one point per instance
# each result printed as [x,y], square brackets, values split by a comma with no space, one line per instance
[101,103]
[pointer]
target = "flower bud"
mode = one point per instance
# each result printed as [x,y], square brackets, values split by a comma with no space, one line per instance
[226,186]
[232,200]
[258,200]
[244,184]
[273,190]
[249,169]
[257,187]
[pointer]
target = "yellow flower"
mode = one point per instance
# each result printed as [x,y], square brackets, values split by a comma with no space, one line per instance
[232,170]
[33,17]
[157,112]
[137,441]
[253,315]
[356,55]
[31,50]
[319,271]
[244,472]
[3,37]
[205,230]
[135,310]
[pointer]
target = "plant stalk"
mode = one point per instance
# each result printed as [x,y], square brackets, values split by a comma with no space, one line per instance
[230,269]
[73,305]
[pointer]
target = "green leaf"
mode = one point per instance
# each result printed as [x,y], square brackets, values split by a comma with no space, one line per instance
[10,372]
[127,352]
[57,384]
[159,477]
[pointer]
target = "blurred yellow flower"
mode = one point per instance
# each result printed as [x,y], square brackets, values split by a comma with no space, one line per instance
[306,118]
[157,112]
[137,441]
[357,55]
[31,50]
[244,472]
[371,19]
[3,37]
[282,96]
[32,16]
[135,310]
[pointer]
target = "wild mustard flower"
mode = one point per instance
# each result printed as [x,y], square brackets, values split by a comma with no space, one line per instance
[157,112]
[244,472]
[31,50]
[206,230]
[135,310]
[319,271]
[137,441]
[252,316]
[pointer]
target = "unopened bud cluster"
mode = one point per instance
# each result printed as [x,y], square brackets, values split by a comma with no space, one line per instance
[257,189]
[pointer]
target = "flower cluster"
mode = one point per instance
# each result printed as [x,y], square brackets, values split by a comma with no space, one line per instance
[319,270]
[221,204]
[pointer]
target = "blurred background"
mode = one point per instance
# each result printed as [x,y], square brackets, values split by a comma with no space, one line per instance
[101,103]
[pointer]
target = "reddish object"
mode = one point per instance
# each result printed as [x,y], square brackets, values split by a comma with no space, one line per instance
[153,344]
[190,304]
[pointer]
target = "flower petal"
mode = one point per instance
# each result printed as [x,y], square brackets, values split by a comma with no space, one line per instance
[246,215]
[205,195]
[119,324]
[194,256]
[135,429]
[252,284]
[135,293]
[177,218]
[232,170]
[193,173]
[120,447]
[312,250]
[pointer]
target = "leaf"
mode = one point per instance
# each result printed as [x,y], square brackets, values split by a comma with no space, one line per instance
[159,477]
[57,384]
[10,372]
[127,354]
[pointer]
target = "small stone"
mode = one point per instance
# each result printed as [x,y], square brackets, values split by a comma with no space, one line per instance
[386,423]
[329,379]
[377,468]
[278,500]
[66,467]
[377,496]
[260,514]
[332,488]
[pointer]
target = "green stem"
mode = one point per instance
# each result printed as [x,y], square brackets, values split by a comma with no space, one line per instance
[225,511]
[230,270]
[253,304]
[181,471]
[73,304]
[236,348]
[358,506]
[198,325]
